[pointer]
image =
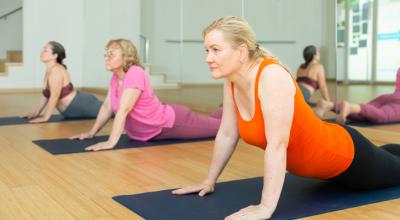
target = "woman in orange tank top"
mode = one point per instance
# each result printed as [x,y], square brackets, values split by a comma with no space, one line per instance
[263,105]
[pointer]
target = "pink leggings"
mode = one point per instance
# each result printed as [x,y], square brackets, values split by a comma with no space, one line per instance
[384,108]
[189,125]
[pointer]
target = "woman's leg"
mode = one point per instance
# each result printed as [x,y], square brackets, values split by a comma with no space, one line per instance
[347,108]
[372,167]
[385,108]
[189,125]
[84,105]
[323,107]
[306,93]
[217,113]
[397,91]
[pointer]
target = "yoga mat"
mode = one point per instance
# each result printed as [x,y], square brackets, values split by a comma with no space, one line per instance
[67,146]
[369,124]
[18,120]
[301,197]
[312,104]
[362,123]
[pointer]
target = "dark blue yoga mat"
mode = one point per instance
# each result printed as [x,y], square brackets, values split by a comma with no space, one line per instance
[67,146]
[362,123]
[369,124]
[18,120]
[312,104]
[301,197]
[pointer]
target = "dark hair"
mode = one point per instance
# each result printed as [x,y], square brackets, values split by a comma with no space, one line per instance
[58,49]
[308,55]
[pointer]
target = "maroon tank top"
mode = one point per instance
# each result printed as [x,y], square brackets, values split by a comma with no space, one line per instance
[66,90]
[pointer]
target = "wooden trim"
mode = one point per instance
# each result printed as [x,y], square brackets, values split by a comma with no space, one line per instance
[197,85]
[365,83]
[97,90]
[18,91]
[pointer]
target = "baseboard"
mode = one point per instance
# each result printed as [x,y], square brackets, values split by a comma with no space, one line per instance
[97,90]
[17,91]
[201,85]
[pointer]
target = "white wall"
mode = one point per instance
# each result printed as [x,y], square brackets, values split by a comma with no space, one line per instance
[304,22]
[9,5]
[83,27]
[105,20]
[43,21]
[328,46]
[11,27]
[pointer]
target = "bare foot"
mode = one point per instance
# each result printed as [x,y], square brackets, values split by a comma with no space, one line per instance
[344,112]
[323,107]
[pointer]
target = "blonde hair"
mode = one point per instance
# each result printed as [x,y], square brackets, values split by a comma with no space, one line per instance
[129,52]
[237,31]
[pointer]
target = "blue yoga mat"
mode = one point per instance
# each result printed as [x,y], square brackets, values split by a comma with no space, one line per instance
[67,146]
[18,120]
[369,124]
[362,123]
[301,197]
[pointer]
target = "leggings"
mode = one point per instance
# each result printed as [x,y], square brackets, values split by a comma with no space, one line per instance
[372,167]
[189,125]
[84,105]
[306,93]
[384,108]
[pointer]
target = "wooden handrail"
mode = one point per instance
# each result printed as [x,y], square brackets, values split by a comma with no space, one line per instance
[10,13]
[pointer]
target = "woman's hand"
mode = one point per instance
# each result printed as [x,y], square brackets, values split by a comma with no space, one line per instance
[39,119]
[251,212]
[202,188]
[101,146]
[82,136]
[30,115]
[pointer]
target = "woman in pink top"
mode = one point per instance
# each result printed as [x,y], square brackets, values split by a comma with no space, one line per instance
[137,109]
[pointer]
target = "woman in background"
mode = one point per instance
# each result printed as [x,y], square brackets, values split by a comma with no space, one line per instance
[137,109]
[383,109]
[58,91]
[311,75]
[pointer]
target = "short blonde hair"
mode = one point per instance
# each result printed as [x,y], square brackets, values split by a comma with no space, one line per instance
[129,52]
[237,31]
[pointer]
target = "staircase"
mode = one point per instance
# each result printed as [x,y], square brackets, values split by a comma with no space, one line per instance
[158,80]
[13,58]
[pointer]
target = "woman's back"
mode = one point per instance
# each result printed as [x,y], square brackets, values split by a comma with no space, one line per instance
[311,71]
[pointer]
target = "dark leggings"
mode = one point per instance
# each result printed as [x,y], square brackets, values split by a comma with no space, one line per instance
[372,167]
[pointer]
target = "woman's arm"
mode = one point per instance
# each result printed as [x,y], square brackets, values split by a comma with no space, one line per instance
[128,99]
[224,146]
[38,109]
[276,94]
[322,83]
[55,82]
[102,118]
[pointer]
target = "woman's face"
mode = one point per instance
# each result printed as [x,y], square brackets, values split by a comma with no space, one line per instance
[46,54]
[114,59]
[317,56]
[221,58]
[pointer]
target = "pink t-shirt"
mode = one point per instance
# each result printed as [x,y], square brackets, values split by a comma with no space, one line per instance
[148,116]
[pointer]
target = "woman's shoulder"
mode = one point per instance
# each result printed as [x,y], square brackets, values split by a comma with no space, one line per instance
[315,66]
[57,71]
[136,69]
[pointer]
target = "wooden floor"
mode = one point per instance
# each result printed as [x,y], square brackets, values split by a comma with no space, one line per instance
[37,185]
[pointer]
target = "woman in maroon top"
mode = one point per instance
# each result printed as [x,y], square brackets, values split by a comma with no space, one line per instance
[311,74]
[58,90]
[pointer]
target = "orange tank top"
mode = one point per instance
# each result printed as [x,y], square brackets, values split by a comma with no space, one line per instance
[316,149]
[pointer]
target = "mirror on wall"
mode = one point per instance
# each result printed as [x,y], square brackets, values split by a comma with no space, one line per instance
[368,44]
[171,30]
